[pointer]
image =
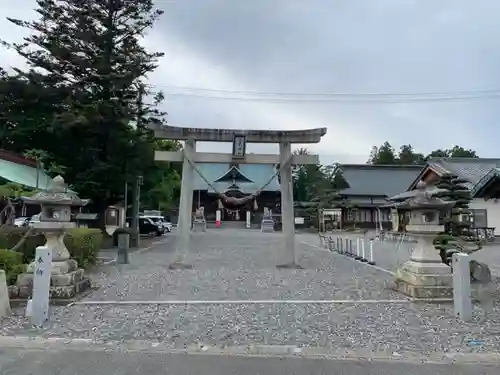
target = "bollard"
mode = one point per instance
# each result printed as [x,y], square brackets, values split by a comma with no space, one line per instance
[341,248]
[371,260]
[337,247]
[351,253]
[331,244]
[363,253]
[346,252]
[41,286]
[358,249]
[462,302]
[123,246]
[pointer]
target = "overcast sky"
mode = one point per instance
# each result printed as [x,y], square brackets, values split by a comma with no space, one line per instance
[326,46]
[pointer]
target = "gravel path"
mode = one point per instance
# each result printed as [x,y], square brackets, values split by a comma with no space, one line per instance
[240,265]
[405,329]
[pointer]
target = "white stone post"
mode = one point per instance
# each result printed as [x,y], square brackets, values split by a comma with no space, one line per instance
[248,219]
[287,212]
[358,249]
[462,301]
[4,296]
[371,260]
[218,218]
[41,286]
[185,206]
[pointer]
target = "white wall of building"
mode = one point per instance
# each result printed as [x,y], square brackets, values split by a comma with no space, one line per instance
[492,207]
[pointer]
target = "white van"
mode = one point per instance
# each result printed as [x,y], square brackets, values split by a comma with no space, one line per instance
[160,220]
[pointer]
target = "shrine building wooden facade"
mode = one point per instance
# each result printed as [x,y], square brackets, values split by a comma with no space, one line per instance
[236,180]
[369,188]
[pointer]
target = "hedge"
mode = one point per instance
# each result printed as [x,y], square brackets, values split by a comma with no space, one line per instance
[12,263]
[83,243]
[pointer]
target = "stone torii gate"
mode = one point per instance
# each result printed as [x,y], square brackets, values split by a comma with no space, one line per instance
[189,157]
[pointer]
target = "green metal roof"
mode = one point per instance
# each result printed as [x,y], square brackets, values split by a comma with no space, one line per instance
[24,175]
[258,173]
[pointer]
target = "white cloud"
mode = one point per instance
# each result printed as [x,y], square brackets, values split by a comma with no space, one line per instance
[182,66]
[324,46]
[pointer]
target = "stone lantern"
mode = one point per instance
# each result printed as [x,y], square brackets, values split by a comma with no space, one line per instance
[424,275]
[55,219]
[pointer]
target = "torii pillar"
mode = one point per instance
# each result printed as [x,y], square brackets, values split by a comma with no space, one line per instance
[239,139]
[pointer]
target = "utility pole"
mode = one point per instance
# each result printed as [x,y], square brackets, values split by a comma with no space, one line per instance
[138,179]
[125,204]
[136,206]
[136,200]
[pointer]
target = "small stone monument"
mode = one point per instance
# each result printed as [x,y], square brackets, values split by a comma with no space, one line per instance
[267,224]
[199,222]
[424,275]
[67,280]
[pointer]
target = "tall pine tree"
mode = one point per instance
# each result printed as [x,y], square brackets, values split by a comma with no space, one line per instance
[90,52]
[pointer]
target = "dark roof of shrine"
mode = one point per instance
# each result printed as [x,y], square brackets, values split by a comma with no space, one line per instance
[259,174]
[478,172]
[378,180]
[470,169]
[234,174]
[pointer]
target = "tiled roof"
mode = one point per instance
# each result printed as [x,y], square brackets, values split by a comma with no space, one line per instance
[378,180]
[470,169]
[234,173]
[258,173]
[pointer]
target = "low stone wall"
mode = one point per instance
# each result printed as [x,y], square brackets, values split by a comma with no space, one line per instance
[4,296]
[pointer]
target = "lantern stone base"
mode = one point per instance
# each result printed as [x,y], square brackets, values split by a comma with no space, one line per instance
[267,226]
[66,281]
[199,226]
[424,280]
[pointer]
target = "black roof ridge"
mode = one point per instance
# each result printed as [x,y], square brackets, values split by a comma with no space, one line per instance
[383,166]
[463,159]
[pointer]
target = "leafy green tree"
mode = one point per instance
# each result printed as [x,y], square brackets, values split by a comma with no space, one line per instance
[383,155]
[89,53]
[408,156]
[162,182]
[27,110]
[454,152]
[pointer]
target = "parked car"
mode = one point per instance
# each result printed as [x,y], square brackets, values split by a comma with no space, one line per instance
[34,219]
[160,220]
[22,221]
[148,226]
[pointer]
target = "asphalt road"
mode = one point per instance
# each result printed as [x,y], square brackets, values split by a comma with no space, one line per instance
[70,362]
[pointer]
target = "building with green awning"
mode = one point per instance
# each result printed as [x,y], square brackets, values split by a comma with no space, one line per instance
[23,171]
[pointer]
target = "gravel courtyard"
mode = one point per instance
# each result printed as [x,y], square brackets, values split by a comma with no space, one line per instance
[240,265]
[232,265]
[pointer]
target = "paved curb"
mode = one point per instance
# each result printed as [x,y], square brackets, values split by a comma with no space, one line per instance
[37,343]
[112,260]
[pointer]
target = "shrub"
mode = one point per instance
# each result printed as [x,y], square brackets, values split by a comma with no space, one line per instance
[10,237]
[83,243]
[12,263]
